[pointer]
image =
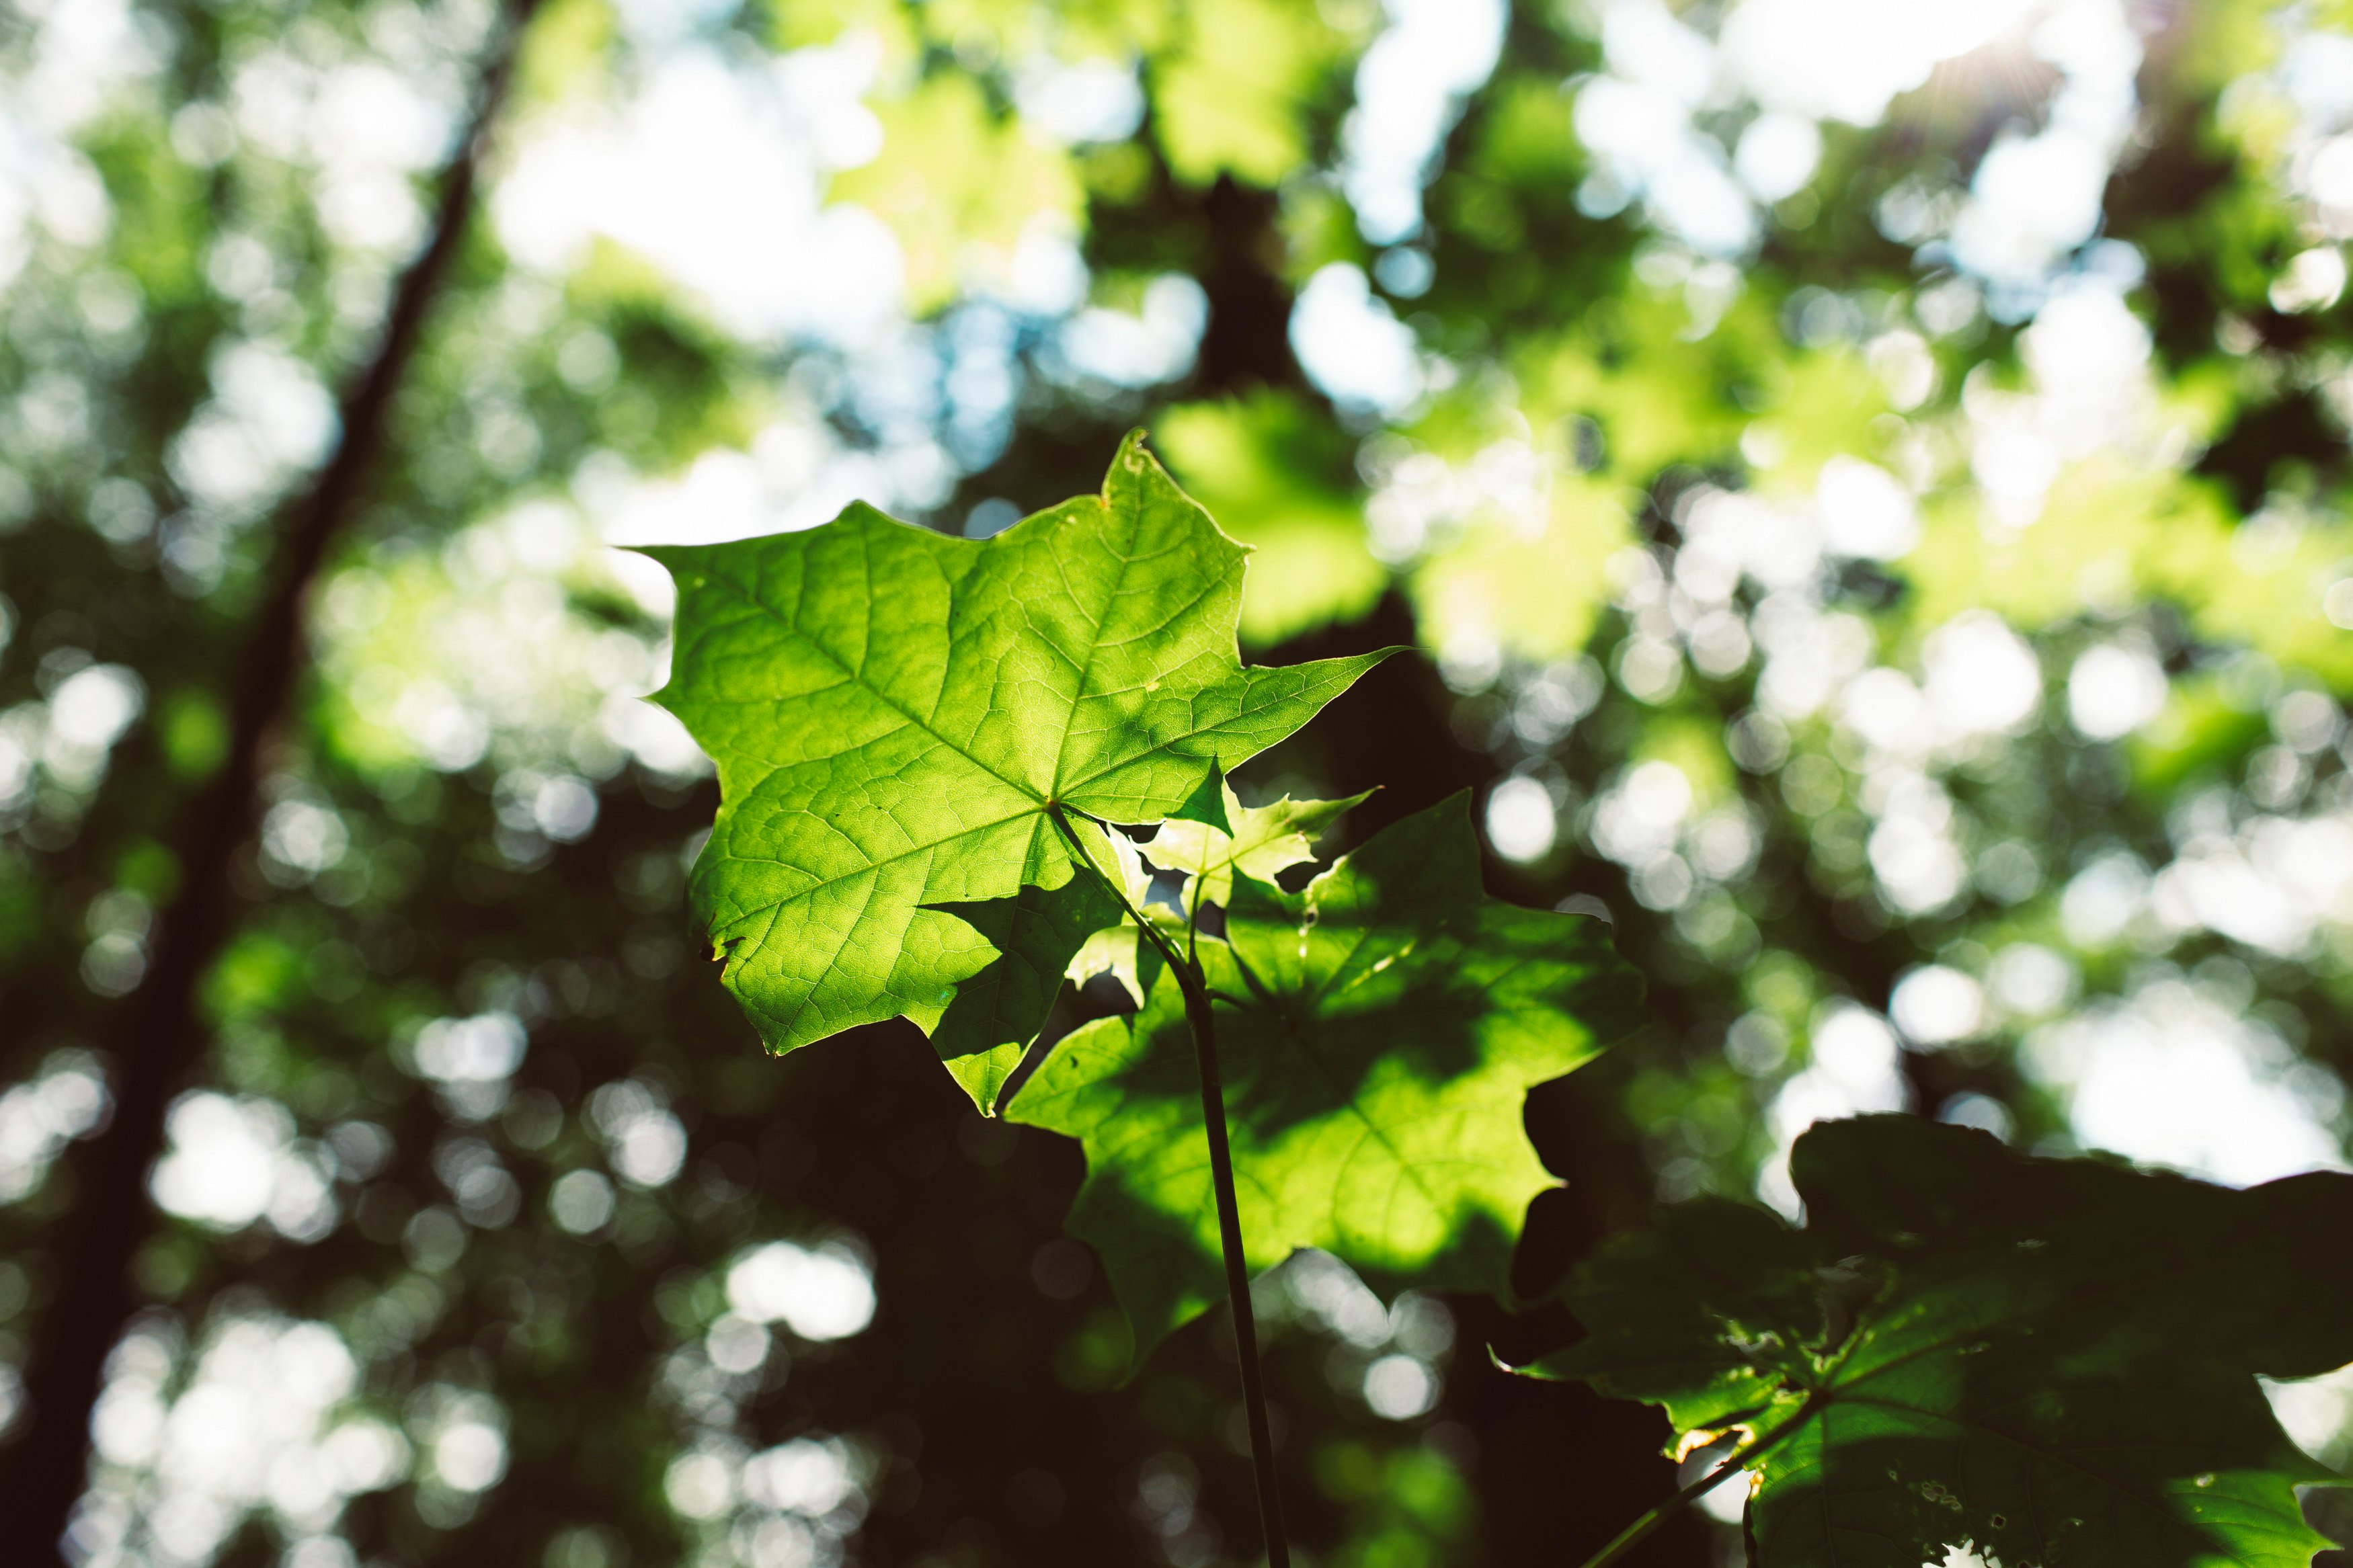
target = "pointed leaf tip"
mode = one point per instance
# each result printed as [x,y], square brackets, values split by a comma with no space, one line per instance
[1207,805]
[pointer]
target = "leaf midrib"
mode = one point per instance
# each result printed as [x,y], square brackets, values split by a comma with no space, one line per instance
[1061,789]
[750,911]
[1373,1129]
[1094,648]
[1834,1394]
[854,678]
[851,676]
[1293,1030]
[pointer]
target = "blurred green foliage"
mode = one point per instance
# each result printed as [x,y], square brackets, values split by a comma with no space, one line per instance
[1936,670]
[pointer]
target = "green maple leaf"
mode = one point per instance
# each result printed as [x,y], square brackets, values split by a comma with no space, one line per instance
[1040,935]
[1261,841]
[1120,951]
[996,1014]
[1118,947]
[1258,841]
[1377,1034]
[2048,1362]
[893,712]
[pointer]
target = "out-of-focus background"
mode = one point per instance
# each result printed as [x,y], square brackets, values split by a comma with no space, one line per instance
[1868,482]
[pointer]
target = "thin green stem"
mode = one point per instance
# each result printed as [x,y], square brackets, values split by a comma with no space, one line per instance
[1639,1531]
[1201,1019]
[1193,920]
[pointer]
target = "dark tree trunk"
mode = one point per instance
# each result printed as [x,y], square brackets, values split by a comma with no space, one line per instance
[1246,342]
[155,1039]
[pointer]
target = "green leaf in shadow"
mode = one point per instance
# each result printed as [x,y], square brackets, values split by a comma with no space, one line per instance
[2046,1362]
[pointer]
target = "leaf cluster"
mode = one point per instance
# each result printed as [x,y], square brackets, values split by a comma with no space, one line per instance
[1384,1026]
[921,741]
[2045,1362]
[927,747]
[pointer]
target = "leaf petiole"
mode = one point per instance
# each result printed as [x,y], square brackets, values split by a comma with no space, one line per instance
[1639,1531]
[1193,921]
[1201,1020]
